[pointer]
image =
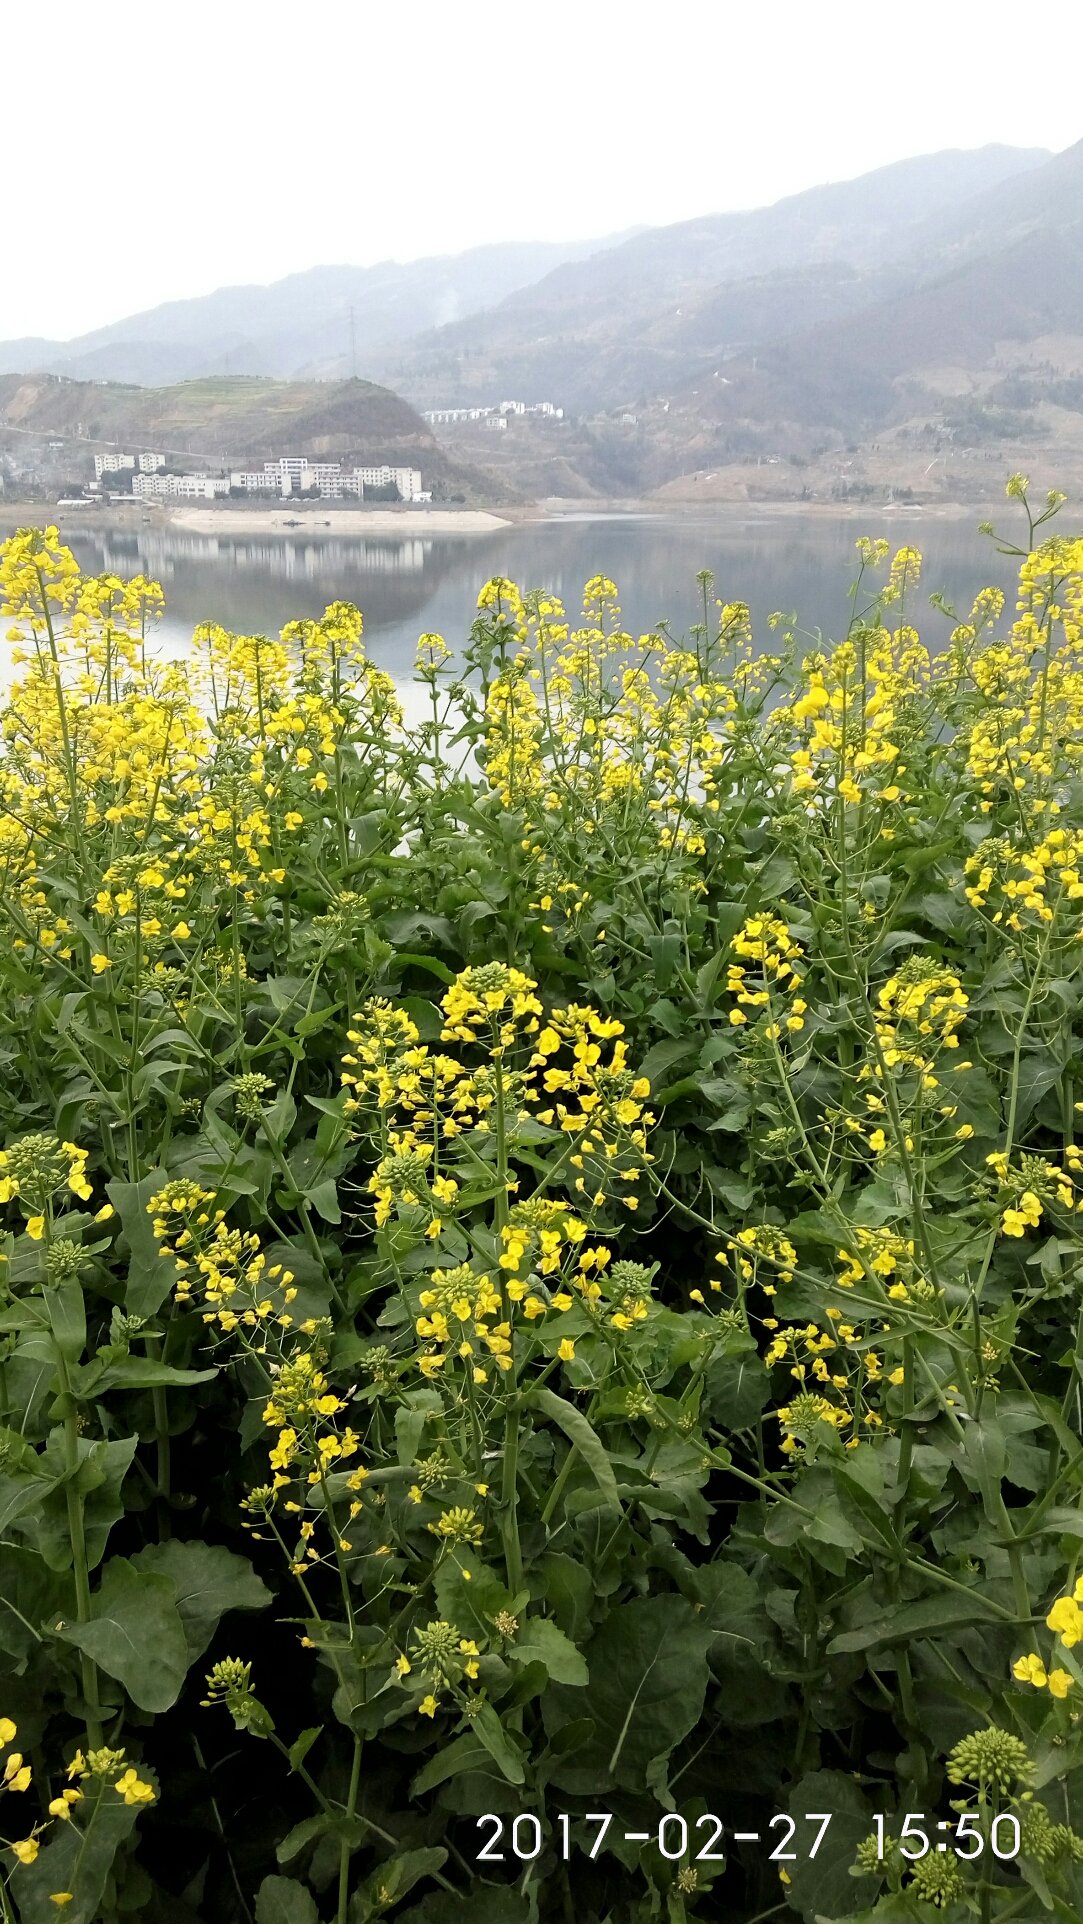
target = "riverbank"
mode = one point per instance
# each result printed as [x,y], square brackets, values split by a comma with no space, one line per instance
[293,518]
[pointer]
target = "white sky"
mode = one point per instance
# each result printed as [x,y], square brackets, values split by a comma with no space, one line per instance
[188,146]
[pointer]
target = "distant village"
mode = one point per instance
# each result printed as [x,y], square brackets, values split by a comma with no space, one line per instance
[145,475]
[291,475]
[492,417]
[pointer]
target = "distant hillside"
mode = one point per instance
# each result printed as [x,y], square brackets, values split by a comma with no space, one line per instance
[859,374]
[928,363]
[223,423]
[319,319]
[917,329]
[1036,199]
[672,301]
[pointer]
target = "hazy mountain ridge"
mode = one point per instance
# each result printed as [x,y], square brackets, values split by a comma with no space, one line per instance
[653,288]
[956,349]
[901,310]
[285,329]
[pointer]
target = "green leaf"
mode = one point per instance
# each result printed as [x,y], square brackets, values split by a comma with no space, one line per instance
[471,1595]
[18,1456]
[736,1388]
[282,1900]
[151,1276]
[489,1731]
[30,1594]
[540,1641]
[407,959]
[917,1619]
[659,1061]
[648,1676]
[301,1745]
[665,953]
[324,1199]
[822,1885]
[325,1823]
[482,1904]
[463,1753]
[67,1318]
[135,1634]
[102,1468]
[410,1420]
[142,1373]
[578,1431]
[391,1881]
[207,1581]
[568,1589]
[424,1015]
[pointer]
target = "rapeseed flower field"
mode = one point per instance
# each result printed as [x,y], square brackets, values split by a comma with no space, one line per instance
[540,1329]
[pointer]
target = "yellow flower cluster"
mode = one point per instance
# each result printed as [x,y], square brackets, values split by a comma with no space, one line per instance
[236,1284]
[919,1012]
[546,1267]
[103,1765]
[210,767]
[301,1409]
[925,998]
[37,1169]
[1027,739]
[801,1420]
[461,1309]
[1027,1188]
[762,1242]
[771,984]
[589,727]
[880,1253]
[807,1349]
[1065,1619]
[556,1067]
[1043,882]
[444,1657]
[493,1004]
[844,736]
[513,730]
[1031,1670]
[599,1103]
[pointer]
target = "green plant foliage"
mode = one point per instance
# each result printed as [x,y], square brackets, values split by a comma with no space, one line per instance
[541,1365]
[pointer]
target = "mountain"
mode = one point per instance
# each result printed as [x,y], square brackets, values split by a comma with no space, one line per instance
[889,337]
[672,301]
[222,423]
[1036,198]
[924,320]
[327,316]
[992,290]
[848,375]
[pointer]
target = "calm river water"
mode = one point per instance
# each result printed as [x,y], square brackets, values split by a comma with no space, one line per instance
[410,584]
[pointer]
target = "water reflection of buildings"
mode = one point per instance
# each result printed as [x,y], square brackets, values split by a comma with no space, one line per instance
[161,555]
[256,583]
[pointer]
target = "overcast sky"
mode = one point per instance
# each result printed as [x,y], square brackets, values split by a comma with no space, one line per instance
[153,151]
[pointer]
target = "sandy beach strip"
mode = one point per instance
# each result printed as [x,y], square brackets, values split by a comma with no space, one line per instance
[324,520]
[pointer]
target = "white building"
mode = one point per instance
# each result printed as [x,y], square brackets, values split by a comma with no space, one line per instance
[296,474]
[150,463]
[439,415]
[331,487]
[200,487]
[112,464]
[406,480]
[301,474]
[291,474]
[447,416]
[258,481]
